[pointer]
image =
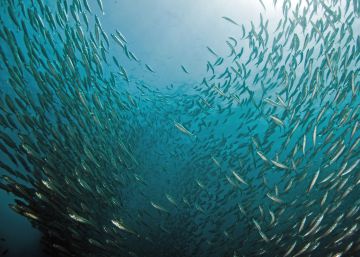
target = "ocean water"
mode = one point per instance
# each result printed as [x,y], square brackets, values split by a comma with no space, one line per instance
[179,128]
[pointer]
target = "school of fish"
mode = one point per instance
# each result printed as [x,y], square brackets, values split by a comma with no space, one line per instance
[260,158]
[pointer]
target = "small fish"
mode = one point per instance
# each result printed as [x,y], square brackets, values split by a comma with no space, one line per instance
[262,234]
[354,129]
[304,145]
[328,177]
[121,36]
[78,218]
[324,198]
[199,208]
[31,215]
[277,120]
[289,185]
[280,165]
[314,136]
[158,207]
[241,209]
[262,156]
[212,51]
[315,225]
[119,225]
[262,4]
[351,168]
[274,198]
[183,129]
[201,185]
[117,40]
[171,199]
[239,178]
[302,224]
[184,69]
[353,89]
[215,161]
[313,181]
[291,248]
[337,155]
[230,20]
[272,217]
[87,7]
[302,250]
[100,3]
[149,68]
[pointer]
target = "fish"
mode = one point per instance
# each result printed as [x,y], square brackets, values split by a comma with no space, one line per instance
[215,161]
[337,155]
[171,199]
[158,207]
[302,250]
[274,198]
[212,51]
[277,120]
[314,136]
[181,128]
[78,218]
[149,68]
[262,156]
[315,225]
[117,40]
[101,6]
[230,20]
[239,178]
[351,168]
[262,4]
[291,248]
[88,151]
[120,226]
[184,69]
[323,200]
[272,217]
[302,224]
[280,165]
[313,181]
[304,144]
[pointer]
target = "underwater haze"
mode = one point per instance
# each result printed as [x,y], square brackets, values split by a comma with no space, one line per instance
[179,128]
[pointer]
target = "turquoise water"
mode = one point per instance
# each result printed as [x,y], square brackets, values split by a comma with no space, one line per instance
[179,128]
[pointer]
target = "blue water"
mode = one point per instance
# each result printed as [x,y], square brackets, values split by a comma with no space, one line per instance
[21,238]
[168,34]
[214,213]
